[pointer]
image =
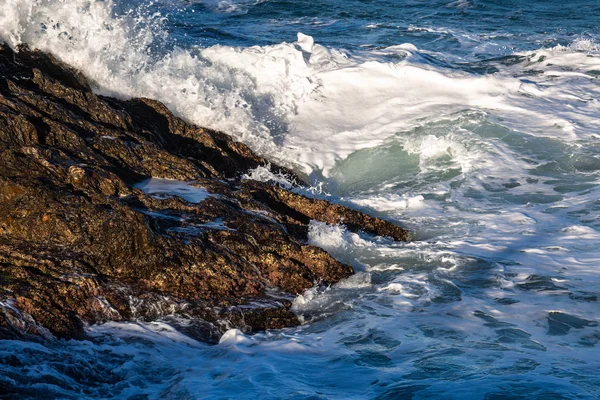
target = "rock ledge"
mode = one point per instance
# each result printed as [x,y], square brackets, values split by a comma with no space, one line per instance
[81,244]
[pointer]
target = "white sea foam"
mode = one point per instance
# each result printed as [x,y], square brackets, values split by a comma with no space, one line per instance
[301,103]
[390,202]
[338,241]
[263,173]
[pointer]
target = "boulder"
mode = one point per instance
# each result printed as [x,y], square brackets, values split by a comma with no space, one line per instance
[80,243]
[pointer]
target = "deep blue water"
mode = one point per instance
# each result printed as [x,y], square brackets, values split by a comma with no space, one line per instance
[502,27]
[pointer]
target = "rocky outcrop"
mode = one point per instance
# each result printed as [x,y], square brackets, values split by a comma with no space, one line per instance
[79,243]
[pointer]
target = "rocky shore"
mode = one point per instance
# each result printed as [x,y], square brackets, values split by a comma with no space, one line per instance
[82,243]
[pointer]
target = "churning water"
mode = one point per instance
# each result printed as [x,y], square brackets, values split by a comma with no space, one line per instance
[475,123]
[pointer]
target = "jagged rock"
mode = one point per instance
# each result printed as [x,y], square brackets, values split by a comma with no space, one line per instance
[79,243]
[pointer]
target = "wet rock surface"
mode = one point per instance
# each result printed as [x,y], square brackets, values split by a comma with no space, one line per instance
[81,244]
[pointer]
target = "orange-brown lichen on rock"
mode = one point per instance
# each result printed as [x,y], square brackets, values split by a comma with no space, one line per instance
[80,243]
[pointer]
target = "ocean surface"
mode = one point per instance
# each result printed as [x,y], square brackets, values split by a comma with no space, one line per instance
[474,123]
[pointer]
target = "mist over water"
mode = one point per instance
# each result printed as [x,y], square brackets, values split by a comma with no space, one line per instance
[476,124]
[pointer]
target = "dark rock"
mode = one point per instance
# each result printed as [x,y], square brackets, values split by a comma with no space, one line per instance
[299,210]
[79,243]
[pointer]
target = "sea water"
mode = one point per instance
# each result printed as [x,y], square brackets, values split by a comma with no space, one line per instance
[474,123]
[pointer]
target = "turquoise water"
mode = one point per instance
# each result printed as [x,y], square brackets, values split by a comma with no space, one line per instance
[476,124]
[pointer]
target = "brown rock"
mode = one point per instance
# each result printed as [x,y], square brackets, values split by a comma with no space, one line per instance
[80,244]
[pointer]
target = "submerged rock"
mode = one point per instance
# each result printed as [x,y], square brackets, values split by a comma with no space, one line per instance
[80,243]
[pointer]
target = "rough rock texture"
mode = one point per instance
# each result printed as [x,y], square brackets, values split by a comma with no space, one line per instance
[80,244]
